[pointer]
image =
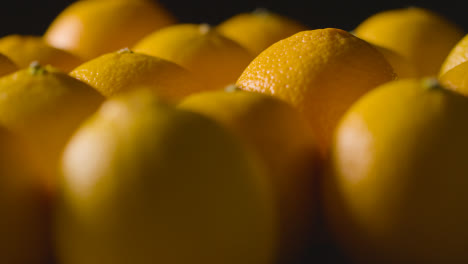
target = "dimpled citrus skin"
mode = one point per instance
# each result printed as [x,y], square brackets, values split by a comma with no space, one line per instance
[45,106]
[396,187]
[7,66]
[282,139]
[258,30]
[121,71]
[215,59]
[457,55]
[92,28]
[420,35]
[24,221]
[24,50]
[147,183]
[456,79]
[320,72]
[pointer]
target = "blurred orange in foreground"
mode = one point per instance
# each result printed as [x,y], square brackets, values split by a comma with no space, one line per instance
[283,140]
[146,183]
[24,206]
[396,187]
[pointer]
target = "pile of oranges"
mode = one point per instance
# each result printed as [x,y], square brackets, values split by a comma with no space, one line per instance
[129,138]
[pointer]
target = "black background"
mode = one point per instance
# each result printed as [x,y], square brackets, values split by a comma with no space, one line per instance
[33,17]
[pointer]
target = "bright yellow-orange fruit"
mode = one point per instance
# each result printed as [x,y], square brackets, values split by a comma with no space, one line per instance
[124,70]
[92,28]
[281,138]
[257,30]
[320,72]
[45,106]
[7,66]
[215,59]
[402,66]
[24,206]
[456,79]
[457,55]
[420,35]
[147,183]
[396,187]
[24,50]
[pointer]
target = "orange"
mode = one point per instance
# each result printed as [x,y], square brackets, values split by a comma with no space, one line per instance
[215,59]
[24,50]
[320,72]
[146,183]
[259,29]
[45,106]
[120,71]
[281,138]
[456,79]
[396,187]
[402,66]
[7,66]
[24,221]
[457,55]
[91,28]
[420,35]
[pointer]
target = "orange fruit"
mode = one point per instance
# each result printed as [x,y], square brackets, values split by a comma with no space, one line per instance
[92,28]
[402,66]
[283,140]
[7,66]
[456,79]
[24,50]
[24,221]
[457,55]
[396,187]
[215,59]
[146,183]
[320,72]
[120,71]
[259,29]
[45,106]
[420,35]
